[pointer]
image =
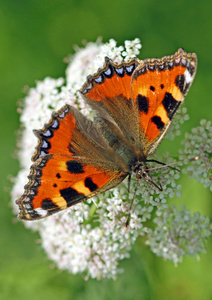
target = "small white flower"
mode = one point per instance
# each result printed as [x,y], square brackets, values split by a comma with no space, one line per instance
[198,144]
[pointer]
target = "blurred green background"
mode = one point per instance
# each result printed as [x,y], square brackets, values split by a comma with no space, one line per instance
[35,36]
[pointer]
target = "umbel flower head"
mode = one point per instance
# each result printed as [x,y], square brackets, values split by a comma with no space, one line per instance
[91,237]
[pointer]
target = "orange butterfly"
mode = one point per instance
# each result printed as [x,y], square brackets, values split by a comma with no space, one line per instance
[77,158]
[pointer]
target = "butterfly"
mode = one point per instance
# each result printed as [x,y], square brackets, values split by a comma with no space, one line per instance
[77,158]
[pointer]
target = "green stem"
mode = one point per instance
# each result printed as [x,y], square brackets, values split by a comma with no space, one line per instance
[91,213]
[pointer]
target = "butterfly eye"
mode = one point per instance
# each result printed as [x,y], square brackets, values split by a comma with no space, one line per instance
[144,174]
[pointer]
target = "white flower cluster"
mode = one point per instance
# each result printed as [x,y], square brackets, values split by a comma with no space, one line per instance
[180,117]
[179,233]
[132,49]
[199,143]
[91,237]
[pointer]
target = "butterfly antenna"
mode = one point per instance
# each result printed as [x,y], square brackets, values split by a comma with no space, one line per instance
[131,204]
[170,165]
[163,164]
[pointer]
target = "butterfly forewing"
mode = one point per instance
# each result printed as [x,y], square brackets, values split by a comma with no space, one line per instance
[159,87]
[55,137]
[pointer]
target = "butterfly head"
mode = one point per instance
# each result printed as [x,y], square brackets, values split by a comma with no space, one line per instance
[141,171]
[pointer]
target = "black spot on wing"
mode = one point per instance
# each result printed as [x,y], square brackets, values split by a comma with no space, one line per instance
[158,122]
[74,167]
[71,196]
[47,204]
[90,184]
[33,214]
[143,103]
[179,81]
[170,104]
[181,84]
[152,88]
[58,175]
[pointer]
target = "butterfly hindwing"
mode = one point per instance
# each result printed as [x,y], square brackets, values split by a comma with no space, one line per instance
[159,87]
[60,181]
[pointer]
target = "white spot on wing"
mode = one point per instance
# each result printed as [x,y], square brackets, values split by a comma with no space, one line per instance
[42,212]
[188,76]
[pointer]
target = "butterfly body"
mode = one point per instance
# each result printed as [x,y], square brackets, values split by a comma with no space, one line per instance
[77,158]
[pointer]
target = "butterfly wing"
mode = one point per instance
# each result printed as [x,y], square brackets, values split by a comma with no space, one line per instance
[141,97]
[159,87]
[109,93]
[72,163]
